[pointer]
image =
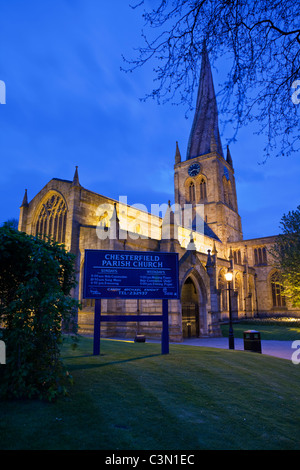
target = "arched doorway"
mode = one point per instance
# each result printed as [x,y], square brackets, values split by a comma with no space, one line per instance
[190,309]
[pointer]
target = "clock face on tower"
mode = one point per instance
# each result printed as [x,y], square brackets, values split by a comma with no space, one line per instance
[194,169]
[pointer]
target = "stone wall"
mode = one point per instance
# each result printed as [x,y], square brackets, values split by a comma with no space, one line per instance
[90,215]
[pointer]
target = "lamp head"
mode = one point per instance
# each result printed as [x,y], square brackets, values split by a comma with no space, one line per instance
[229,276]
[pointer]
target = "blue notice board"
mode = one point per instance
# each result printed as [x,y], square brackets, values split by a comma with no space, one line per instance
[130,274]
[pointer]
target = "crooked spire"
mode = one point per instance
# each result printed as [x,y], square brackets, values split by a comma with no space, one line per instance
[205,136]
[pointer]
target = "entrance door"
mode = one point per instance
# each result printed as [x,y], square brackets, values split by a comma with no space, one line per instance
[190,310]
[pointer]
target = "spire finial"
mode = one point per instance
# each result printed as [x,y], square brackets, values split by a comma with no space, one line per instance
[228,156]
[191,246]
[115,213]
[114,224]
[76,178]
[25,200]
[177,154]
[209,260]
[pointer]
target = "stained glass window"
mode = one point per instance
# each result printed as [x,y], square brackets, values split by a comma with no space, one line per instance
[52,219]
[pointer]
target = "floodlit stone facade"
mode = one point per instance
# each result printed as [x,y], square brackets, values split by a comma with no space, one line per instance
[203,226]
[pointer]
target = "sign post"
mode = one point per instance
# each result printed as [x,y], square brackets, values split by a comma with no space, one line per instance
[97,327]
[130,275]
[165,328]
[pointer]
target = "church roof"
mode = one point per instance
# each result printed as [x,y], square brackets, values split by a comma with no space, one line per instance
[209,232]
[205,136]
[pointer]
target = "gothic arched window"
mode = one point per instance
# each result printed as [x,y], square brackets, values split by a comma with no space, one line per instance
[52,219]
[278,297]
[239,289]
[264,255]
[222,286]
[230,195]
[192,192]
[260,256]
[237,257]
[202,189]
[225,189]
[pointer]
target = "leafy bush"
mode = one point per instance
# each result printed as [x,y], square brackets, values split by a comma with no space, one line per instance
[36,279]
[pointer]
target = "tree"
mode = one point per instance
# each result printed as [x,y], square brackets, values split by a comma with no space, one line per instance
[261,41]
[13,223]
[286,253]
[36,279]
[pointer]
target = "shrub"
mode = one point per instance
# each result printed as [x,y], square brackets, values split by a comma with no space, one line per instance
[36,279]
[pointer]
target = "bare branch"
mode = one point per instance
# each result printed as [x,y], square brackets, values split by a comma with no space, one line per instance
[261,39]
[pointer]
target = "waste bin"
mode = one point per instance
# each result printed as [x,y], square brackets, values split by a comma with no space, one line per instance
[252,341]
[140,338]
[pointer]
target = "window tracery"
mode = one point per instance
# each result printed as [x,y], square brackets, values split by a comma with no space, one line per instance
[202,189]
[192,192]
[52,219]
[260,255]
[278,297]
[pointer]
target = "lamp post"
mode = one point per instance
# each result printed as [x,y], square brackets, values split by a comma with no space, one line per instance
[228,277]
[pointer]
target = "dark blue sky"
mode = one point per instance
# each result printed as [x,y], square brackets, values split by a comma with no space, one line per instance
[68,103]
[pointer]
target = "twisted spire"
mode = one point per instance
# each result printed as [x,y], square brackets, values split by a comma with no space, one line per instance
[205,128]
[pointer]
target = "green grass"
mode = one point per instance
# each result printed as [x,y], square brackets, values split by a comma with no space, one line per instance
[280,331]
[131,397]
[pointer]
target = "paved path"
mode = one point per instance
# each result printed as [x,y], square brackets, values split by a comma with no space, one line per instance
[281,349]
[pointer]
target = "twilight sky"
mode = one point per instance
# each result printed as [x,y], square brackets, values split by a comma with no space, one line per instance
[68,103]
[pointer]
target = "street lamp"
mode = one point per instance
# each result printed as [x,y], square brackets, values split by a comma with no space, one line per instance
[228,277]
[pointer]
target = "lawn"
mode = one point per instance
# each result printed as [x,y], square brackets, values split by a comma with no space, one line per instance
[270,330]
[131,397]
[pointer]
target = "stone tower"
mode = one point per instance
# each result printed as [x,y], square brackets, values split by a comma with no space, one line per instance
[205,180]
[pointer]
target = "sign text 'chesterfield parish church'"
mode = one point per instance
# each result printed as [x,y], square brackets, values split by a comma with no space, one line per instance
[148,275]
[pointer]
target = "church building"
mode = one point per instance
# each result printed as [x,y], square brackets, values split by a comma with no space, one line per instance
[203,226]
